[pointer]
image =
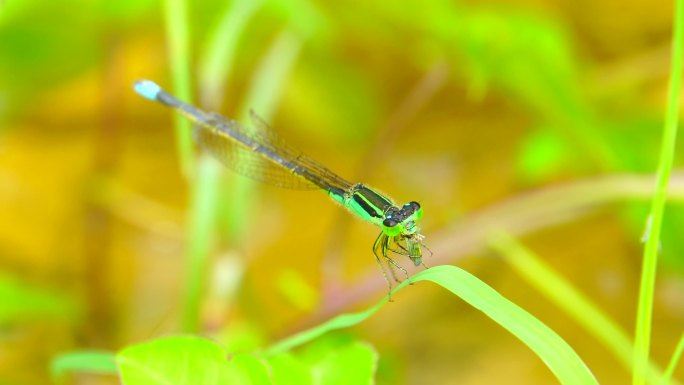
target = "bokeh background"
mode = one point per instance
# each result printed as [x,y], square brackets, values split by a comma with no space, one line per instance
[539,117]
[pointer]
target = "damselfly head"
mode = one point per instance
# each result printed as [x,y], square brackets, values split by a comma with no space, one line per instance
[401,224]
[402,221]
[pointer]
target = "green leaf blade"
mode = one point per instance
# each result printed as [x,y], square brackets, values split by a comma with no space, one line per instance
[174,360]
[354,363]
[248,369]
[286,369]
[558,356]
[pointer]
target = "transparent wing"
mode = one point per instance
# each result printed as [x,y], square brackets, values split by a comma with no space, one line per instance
[272,138]
[261,154]
[241,158]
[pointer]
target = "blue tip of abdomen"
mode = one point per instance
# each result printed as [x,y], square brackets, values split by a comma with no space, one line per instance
[147,89]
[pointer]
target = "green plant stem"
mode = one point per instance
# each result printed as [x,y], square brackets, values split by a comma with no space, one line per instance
[270,76]
[216,63]
[203,194]
[215,68]
[200,230]
[647,286]
[177,35]
[85,361]
[556,354]
[561,292]
[673,362]
[263,96]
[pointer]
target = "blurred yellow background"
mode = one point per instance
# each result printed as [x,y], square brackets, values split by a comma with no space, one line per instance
[542,118]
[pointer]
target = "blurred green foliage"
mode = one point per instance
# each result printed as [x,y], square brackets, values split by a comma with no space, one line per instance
[532,98]
[22,301]
[83,361]
[190,360]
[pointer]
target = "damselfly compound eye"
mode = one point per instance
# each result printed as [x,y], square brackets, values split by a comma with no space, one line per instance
[389,222]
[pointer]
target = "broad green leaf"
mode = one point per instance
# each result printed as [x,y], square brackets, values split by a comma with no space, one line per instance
[241,336]
[248,369]
[334,368]
[558,356]
[83,361]
[286,369]
[181,360]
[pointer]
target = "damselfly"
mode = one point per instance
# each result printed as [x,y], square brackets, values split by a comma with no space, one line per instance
[262,155]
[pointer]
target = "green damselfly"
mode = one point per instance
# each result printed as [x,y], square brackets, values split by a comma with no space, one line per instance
[262,155]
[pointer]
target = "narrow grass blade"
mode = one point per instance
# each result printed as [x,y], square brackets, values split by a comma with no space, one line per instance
[549,347]
[559,291]
[271,75]
[642,340]
[340,322]
[216,63]
[674,361]
[200,230]
[177,35]
[263,96]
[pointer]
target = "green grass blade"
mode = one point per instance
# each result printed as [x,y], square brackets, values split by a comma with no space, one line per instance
[646,289]
[83,361]
[673,362]
[549,347]
[570,300]
[263,95]
[203,199]
[177,35]
[200,229]
[339,322]
[216,63]
[270,76]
